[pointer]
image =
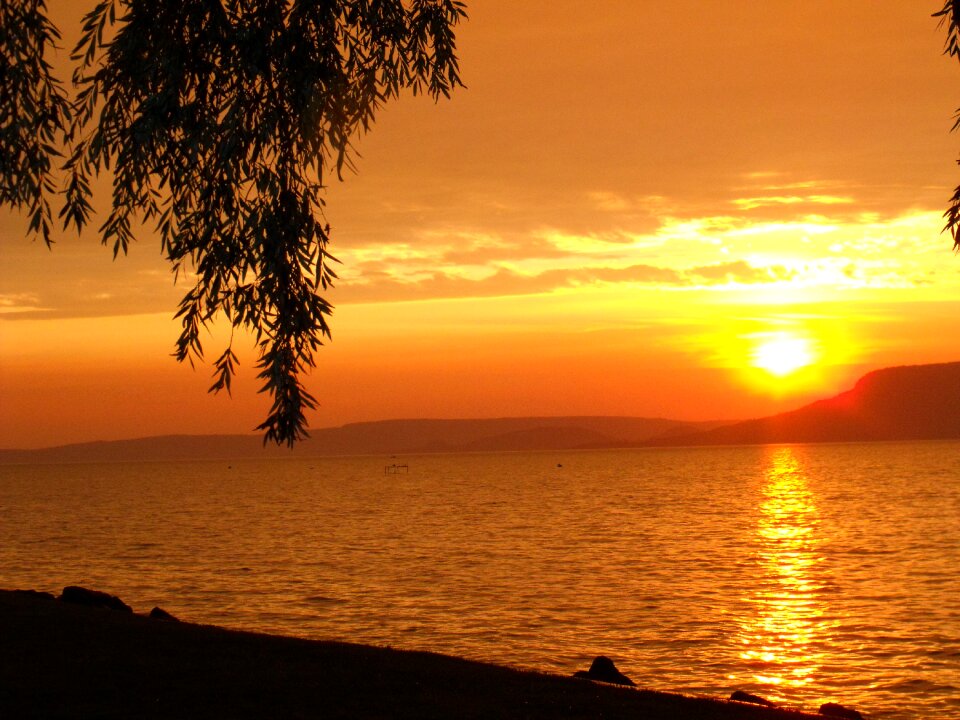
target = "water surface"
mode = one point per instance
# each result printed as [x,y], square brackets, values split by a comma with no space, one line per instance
[802,573]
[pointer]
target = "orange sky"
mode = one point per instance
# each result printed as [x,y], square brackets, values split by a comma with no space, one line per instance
[612,218]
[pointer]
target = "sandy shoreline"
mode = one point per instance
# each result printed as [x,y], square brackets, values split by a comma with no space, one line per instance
[59,660]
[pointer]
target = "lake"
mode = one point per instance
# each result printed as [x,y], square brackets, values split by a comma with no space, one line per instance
[803,573]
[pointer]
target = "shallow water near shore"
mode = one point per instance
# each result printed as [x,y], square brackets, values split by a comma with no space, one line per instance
[805,574]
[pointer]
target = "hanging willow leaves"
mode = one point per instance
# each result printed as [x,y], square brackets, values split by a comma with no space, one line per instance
[34,112]
[221,121]
[950,18]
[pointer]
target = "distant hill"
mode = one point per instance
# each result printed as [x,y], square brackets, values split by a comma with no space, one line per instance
[387,437]
[916,402]
[919,402]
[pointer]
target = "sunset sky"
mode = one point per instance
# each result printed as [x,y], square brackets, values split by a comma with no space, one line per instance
[715,210]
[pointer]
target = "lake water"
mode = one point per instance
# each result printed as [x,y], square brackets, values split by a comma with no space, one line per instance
[804,574]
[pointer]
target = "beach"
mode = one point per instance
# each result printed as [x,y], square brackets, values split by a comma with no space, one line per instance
[60,660]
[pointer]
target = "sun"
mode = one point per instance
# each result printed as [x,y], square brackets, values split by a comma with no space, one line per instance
[782,354]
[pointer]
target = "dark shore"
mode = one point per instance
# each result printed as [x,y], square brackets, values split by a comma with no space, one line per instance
[59,660]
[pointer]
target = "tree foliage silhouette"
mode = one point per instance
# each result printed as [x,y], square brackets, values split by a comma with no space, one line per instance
[950,18]
[220,121]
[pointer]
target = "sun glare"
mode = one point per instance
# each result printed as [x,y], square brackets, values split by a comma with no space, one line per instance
[782,354]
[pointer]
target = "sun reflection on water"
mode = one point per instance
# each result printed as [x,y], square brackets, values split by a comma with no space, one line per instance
[781,642]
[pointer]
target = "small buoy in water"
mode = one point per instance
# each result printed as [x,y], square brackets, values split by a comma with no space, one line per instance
[559,465]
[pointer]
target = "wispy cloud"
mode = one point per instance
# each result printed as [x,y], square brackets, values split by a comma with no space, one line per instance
[752,203]
[713,252]
[382,286]
[742,272]
[610,201]
[814,248]
[14,303]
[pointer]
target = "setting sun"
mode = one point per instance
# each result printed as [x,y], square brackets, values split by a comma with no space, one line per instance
[783,354]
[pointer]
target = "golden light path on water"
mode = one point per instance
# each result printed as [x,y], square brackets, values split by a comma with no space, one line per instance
[782,643]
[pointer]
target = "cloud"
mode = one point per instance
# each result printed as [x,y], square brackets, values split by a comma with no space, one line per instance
[382,286]
[603,200]
[722,252]
[609,201]
[500,249]
[741,272]
[13,303]
[467,249]
[460,261]
[752,203]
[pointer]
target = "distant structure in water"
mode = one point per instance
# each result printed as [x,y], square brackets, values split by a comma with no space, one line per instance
[395,469]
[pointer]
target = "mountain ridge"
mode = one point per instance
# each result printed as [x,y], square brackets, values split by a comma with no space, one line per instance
[383,437]
[909,402]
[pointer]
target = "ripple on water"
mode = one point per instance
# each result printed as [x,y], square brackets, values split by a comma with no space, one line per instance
[832,576]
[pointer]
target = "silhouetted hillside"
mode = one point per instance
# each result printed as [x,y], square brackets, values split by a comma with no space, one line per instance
[388,437]
[920,402]
[488,435]
[917,402]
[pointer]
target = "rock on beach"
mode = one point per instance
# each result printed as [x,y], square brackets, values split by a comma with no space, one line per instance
[62,659]
[746,697]
[93,598]
[836,710]
[603,670]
